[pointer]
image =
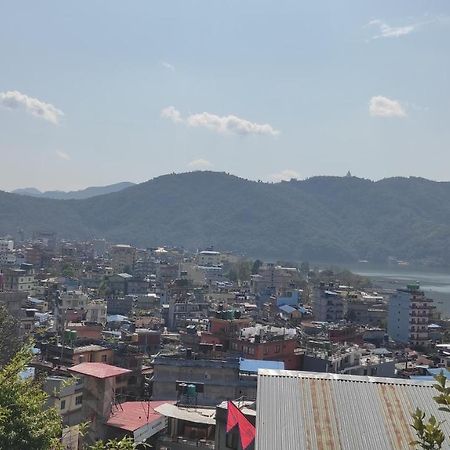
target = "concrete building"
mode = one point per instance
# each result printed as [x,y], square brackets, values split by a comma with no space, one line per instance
[409,316]
[19,280]
[274,279]
[209,258]
[68,355]
[66,395]
[122,258]
[73,300]
[6,245]
[328,306]
[215,380]
[100,382]
[96,311]
[268,343]
[13,301]
[188,428]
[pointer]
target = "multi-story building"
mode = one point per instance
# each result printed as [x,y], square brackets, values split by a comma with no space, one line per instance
[73,300]
[186,306]
[6,245]
[268,343]
[13,301]
[328,305]
[19,280]
[209,258]
[215,380]
[409,316]
[123,258]
[96,311]
[274,279]
[7,256]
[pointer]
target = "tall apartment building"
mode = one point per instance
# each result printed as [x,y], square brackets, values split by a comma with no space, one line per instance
[409,316]
[123,258]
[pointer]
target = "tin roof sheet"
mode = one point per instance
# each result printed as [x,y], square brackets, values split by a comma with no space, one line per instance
[310,411]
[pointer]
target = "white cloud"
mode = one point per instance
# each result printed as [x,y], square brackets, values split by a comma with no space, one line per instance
[200,164]
[285,175]
[386,31]
[62,155]
[168,66]
[34,106]
[172,114]
[230,124]
[380,106]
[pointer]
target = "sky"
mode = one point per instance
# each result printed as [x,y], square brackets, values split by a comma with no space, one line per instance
[97,92]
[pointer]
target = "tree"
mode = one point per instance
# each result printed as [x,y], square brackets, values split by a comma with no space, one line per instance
[25,421]
[256,265]
[125,443]
[10,341]
[429,433]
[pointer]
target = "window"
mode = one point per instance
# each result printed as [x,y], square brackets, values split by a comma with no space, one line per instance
[79,400]
[277,349]
[104,358]
[63,404]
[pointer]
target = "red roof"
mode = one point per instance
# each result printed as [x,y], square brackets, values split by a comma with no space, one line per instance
[98,370]
[131,416]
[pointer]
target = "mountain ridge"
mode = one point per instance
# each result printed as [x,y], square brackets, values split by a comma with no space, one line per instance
[336,219]
[80,194]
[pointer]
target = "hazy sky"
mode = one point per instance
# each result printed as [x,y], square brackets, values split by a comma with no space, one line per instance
[96,92]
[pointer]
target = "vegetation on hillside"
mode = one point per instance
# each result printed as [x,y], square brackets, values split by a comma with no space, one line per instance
[321,219]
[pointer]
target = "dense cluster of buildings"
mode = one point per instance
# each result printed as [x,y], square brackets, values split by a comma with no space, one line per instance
[151,343]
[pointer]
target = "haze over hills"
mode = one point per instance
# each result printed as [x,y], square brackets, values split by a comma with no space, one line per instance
[80,194]
[335,219]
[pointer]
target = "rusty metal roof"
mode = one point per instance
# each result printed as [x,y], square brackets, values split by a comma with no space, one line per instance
[317,411]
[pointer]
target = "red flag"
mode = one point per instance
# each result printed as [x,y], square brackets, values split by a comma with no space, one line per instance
[232,417]
[247,431]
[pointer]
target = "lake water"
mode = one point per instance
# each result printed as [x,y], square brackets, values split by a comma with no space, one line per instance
[435,283]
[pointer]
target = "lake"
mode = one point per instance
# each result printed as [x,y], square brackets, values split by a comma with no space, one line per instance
[435,283]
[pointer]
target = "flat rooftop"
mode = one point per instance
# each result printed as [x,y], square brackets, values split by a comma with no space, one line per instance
[98,370]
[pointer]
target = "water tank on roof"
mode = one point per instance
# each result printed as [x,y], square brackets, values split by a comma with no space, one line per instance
[191,390]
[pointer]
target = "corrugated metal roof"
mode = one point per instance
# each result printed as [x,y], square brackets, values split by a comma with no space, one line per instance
[316,411]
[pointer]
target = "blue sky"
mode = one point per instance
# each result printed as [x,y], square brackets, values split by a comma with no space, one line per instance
[96,92]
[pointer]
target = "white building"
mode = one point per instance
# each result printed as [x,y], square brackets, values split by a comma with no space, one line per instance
[96,311]
[209,258]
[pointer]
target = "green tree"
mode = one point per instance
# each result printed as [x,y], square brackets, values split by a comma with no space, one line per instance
[125,443]
[25,421]
[10,341]
[429,433]
[68,271]
[256,265]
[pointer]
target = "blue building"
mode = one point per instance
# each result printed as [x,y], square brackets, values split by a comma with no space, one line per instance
[398,316]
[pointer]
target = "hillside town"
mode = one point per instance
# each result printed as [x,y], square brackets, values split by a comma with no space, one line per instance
[158,343]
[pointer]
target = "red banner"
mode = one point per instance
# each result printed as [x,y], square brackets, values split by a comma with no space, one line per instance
[247,431]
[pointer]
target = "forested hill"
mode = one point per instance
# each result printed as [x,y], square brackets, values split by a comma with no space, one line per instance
[319,219]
